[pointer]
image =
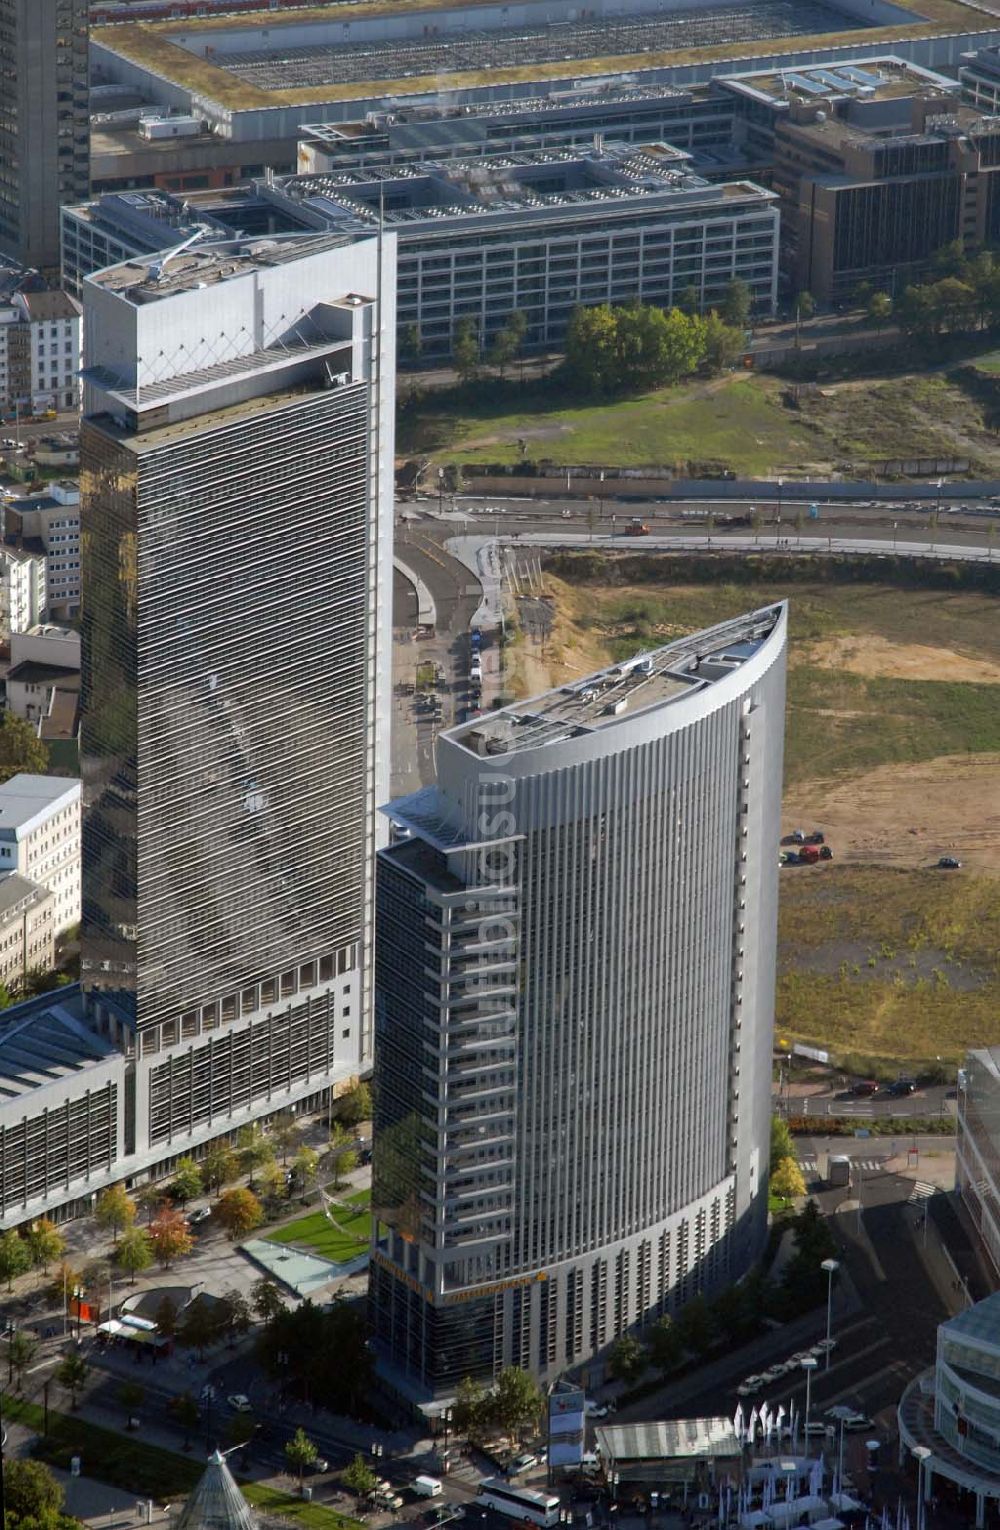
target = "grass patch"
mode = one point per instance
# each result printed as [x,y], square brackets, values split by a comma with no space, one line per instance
[317,1233]
[734,419]
[313,1516]
[119,1460]
[890,963]
[750,424]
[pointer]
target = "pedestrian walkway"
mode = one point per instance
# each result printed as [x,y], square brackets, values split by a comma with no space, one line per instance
[810,1165]
[921,1192]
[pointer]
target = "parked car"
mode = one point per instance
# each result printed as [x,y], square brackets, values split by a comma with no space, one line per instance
[949,863]
[239,1402]
[523,1463]
[817,837]
[866,1087]
[901,1087]
[202,1214]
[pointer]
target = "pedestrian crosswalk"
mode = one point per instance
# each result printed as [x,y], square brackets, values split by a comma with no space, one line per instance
[809,1165]
[921,1191]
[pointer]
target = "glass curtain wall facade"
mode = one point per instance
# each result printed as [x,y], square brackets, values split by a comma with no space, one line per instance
[235,537]
[574,1003]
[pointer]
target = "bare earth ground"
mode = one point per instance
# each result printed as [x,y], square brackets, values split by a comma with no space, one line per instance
[908,815]
[871,655]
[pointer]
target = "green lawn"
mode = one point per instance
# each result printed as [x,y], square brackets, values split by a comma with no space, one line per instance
[313,1516]
[121,1460]
[318,1234]
[757,424]
[739,420]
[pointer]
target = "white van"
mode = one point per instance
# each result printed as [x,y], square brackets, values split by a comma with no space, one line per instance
[427,1487]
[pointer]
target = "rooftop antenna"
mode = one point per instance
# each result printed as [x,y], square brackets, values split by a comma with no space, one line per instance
[155,269]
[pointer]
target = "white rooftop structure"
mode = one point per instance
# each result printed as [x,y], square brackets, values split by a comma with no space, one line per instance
[26,801]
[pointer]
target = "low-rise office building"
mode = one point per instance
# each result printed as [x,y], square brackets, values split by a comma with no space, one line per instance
[27,929]
[539,233]
[49,519]
[62,1109]
[878,166]
[697,119]
[40,351]
[40,838]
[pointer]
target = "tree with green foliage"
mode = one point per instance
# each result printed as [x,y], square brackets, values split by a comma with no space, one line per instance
[465,350]
[737,300]
[267,1299]
[782,1145]
[724,343]
[165,1317]
[149,1198]
[470,1412]
[320,1355]
[690,300]
[507,343]
[20,748]
[186,1415]
[272,1186]
[235,1316]
[355,1104]
[628,1359]
[135,1252]
[516,1400]
[255,1149]
[30,1491]
[115,1210]
[199,1326]
[286,1134]
[341,1157]
[950,260]
[15,1257]
[359,1479]
[410,343]
[300,1452]
[219,1166]
[21,1351]
[72,1374]
[187,1181]
[590,349]
[694,1325]
[45,1243]
[879,308]
[666,1348]
[805,305]
[305,1167]
[787,1182]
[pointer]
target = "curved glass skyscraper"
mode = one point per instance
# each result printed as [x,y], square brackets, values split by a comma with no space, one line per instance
[574,1006]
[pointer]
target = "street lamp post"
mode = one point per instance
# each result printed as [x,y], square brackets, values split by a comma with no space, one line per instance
[922,1454]
[781,487]
[809,1364]
[831,1266]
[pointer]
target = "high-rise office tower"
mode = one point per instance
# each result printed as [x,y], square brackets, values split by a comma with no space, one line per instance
[236,520]
[44,123]
[574,1009]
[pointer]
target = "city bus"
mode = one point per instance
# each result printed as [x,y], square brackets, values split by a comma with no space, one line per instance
[519,1503]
